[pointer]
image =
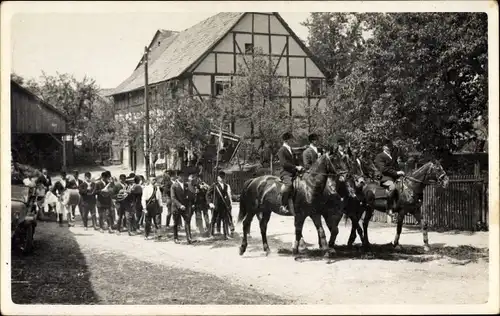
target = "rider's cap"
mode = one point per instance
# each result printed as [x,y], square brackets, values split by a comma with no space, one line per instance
[222,174]
[313,137]
[287,136]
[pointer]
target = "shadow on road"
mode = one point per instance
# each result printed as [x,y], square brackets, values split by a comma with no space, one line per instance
[55,273]
[460,255]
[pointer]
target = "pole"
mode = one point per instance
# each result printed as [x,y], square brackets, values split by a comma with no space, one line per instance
[146,103]
[64,152]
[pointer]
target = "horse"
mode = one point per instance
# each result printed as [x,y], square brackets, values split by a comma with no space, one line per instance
[408,199]
[262,195]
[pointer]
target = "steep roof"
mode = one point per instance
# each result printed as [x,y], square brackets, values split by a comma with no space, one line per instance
[155,49]
[34,96]
[179,51]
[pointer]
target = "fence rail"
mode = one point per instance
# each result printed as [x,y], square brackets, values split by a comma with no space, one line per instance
[460,206]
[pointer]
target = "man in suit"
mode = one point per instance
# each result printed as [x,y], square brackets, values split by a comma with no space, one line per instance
[123,204]
[311,154]
[166,185]
[181,206]
[386,165]
[136,196]
[74,183]
[103,191]
[151,203]
[289,169]
[88,201]
[219,200]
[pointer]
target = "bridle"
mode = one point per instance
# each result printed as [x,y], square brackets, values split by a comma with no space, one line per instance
[439,179]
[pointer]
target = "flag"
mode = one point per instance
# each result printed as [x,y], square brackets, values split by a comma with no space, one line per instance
[220,144]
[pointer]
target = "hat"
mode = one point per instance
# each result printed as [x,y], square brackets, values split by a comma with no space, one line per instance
[341,141]
[221,174]
[312,137]
[286,136]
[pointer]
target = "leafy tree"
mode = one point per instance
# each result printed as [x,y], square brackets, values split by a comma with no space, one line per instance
[336,39]
[257,98]
[421,80]
[174,122]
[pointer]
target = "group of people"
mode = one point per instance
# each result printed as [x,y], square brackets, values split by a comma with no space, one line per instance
[135,203]
[384,168]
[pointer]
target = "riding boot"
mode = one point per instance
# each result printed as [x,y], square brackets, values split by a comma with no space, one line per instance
[285,201]
[390,202]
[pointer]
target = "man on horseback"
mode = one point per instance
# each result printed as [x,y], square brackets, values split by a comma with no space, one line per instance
[289,169]
[311,154]
[386,165]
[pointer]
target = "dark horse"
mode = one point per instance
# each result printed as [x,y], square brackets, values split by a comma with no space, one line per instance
[408,200]
[261,196]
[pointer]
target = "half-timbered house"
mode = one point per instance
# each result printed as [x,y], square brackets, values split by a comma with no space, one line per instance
[200,62]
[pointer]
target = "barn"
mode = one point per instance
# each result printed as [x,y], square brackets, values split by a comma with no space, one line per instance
[37,131]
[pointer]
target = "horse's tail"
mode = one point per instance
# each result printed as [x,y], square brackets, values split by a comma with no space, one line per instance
[243,207]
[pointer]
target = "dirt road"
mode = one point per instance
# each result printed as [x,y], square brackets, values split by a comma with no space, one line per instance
[454,272]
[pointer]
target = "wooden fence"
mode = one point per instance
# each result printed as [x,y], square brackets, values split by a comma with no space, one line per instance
[458,207]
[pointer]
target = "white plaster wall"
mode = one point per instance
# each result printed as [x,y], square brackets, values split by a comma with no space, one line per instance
[202,84]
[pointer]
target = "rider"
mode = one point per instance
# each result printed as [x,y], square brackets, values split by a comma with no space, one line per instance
[311,154]
[387,166]
[289,169]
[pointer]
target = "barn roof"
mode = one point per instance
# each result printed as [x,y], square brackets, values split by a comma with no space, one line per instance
[44,104]
[179,51]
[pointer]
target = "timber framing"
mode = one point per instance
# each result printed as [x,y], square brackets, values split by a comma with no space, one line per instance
[291,63]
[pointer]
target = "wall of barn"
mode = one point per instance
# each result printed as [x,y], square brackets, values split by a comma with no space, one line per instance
[29,115]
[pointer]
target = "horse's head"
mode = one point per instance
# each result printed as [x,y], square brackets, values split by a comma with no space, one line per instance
[437,173]
[432,171]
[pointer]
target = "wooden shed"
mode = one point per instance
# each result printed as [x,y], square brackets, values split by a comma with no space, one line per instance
[37,130]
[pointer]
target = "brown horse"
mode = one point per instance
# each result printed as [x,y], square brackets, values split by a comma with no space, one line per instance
[408,200]
[262,195]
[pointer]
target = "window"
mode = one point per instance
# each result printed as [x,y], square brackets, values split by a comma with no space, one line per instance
[248,48]
[315,87]
[221,83]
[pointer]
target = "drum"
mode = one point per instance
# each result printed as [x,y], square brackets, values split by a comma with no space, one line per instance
[71,197]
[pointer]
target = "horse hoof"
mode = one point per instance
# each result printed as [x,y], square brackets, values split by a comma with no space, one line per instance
[330,253]
[268,251]
[397,247]
[242,251]
[295,251]
[427,248]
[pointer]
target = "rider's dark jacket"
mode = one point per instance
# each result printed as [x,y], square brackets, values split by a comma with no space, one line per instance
[287,161]
[386,166]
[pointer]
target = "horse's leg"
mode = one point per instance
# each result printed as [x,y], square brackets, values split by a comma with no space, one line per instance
[423,227]
[366,222]
[399,228]
[316,218]
[299,224]
[332,222]
[266,215]
[246,230]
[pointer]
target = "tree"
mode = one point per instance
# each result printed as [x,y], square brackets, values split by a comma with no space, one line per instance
[257,98]
[176,121]
[336,39]
[421,80]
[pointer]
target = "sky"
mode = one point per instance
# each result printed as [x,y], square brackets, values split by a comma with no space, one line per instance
[103,46]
